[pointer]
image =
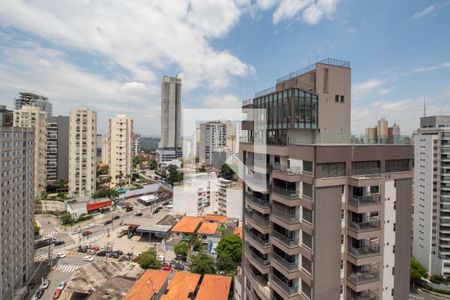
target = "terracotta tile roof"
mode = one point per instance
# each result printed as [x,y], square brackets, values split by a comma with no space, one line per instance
[181,285]
[208,228]
[148,285]
[214,287]
[187,224]
[238,230]
[216,218]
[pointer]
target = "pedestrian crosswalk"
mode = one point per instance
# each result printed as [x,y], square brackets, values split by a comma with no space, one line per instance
[50,234]
[92,239]
[66,268]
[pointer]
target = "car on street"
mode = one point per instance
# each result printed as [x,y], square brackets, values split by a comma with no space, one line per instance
[179,267]
[82,249]
[57,243]
[114,255]
[101,253]
[108,222]
[86,233]
[62,285]
[45,284]
[88,258]
[166,268]
[39,293]
[138,214]
[123,258]
[129,208]
[57,293]
[76,231]
[94,247]
[160,258]
[90,251]
[61,254]
[116,217]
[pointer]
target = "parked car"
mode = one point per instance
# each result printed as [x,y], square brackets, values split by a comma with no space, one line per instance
[129,208]
[108,222]
[116,217]
[57,293]
[94,247]
[86,233]
[45,284]
[114,255]
[160,258]
[62,285]
[88,258]
[61,254]
[39,293]
[101,253]
[138,214]
[123,258]
[76,231]
[179,267]
[90,251]
[57,243]
[166,268]
[82,249]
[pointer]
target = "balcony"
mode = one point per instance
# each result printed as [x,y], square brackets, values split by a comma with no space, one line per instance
[259,284]
[285,216]
[258,220]
[364,275]
[366,295]
[290,266]
[286,193]
[260,241]
[364,226]
[288,174]
[263,204]
[284,286]
[287,241]
[369,250]
[364,200]
[263,263]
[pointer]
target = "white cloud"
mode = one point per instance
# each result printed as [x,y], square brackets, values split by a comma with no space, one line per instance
[432,68]
[372,86]
[312,10]
[425,12]
[222,101]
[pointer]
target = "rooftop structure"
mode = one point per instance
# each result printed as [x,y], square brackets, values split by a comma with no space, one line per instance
[208,228]
[181,286]
[148,285]
[214,287]
[188,224]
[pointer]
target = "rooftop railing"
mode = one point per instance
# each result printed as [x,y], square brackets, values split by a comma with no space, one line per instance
[327,61]
[265,92]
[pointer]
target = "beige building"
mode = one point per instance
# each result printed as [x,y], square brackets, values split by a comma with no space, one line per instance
[34,117]
[82,152]
[120,148]
[105,149]
[325,217]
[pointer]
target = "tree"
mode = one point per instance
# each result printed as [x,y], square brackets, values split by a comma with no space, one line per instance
[437,278]
[173,174]
[230,247]
[147,260]
[227,172]
[136,160]
[226,265]
[196,244]
[152,164]
[65,218]
[181,249]
[36,229]
[105,193]
[202,263]
[417,272]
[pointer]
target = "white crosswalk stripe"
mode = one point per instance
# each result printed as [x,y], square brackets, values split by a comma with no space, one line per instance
[67,268]
[51,234]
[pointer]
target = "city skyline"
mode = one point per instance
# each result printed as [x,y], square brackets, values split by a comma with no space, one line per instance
[226,56]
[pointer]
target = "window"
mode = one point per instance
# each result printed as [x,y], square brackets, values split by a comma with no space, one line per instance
[397,165]
[336,98]
[307,189]
[332,170]
[365,167]
[307,166]
[342,98]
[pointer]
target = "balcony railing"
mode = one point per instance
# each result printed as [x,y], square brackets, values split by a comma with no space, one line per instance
[291,218]
[259,260]
[292,194]
[369,250]
[259,284]
[285,263]
[262,242]
[365,200]
[258,201]
[366,295]
[290,242]
[290,170]
[364,226]
[259,220]
[363,276]
[289,290]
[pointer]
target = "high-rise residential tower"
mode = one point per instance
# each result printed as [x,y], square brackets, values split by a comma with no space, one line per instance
[432,195]
[120,148]
[34,100]
[33,117]
[57,149]
[212,136]
[6,117]
[170,146]
[17,208]
[324,217]
[82,152]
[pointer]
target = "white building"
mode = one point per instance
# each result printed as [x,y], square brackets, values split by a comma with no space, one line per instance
[33,117]
[170,118]
[120,148]
[105,149]
[229,198]
[82,152]
[432,195]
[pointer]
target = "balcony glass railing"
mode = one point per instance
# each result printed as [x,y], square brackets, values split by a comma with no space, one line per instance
[290,242]
[368,250]
[284,286]
[258,219]
[259,240]
[285,263]
[263,262]
[366,295]
[364,275]
[292,194]
[258,201]
[364,200]
[288,170]
[286,216]
[364,226]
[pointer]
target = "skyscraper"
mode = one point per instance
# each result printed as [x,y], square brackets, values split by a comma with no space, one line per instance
[325,218]
[17,208]
[82,152]
[432,194]
[120,148]
[57,148]
[170,146]
[33,117]
[6,117]
[213,136]
[34,100]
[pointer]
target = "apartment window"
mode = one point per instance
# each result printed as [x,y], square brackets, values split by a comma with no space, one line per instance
[306,289]
[307,215]
[307,189]
[336,98]
[342,98]
[307,166]
[325,81]
[306,240]
[332,169]
[397,165]
[365,167]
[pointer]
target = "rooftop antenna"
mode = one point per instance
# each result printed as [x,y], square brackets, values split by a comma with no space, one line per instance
[424,107]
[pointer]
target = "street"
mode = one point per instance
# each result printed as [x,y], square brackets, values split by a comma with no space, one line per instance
[419,295]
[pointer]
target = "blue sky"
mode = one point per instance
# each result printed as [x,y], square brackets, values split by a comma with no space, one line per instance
[110,55]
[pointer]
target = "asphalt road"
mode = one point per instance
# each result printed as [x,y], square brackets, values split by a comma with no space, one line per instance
[419,295]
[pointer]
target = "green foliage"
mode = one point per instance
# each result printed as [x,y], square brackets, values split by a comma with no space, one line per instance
[435,278]
[230,247]
[226,265]
[197,244]
[202,263]
[84,217]
[181,249]
[147,260]
[227,172]
[152,164]
[136,160]
[173,174]
[105,193]
[417,272]
[104,170]
[65,218]
[36,229]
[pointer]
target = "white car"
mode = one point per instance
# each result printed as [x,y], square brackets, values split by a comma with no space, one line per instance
[45,284]
[76,231]
[88,258]
[61,254]
[62,285]
[160,258]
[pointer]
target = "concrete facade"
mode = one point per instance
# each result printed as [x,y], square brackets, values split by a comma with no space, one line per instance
[17,207]
[57,148]
[30,99]
[82,152]
[33,117]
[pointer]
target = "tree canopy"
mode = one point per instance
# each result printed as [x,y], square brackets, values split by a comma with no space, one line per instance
[173,175]
[202,263]
[230,246]
[181,249]
[417,272]
[147,260]
[105,193]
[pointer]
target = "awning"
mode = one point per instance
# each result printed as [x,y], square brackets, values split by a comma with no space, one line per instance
[154,229]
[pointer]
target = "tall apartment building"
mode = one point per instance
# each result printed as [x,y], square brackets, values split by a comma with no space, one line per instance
[432,194]
[33,117]
[98,150]
[82,152]
[170,146]
[34,100]
[229,198]
[136,144]
[325,218]
[6,117]
[105,149]
[120,148]
[383,133]
[212,136]
[57,149]
[17,208]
